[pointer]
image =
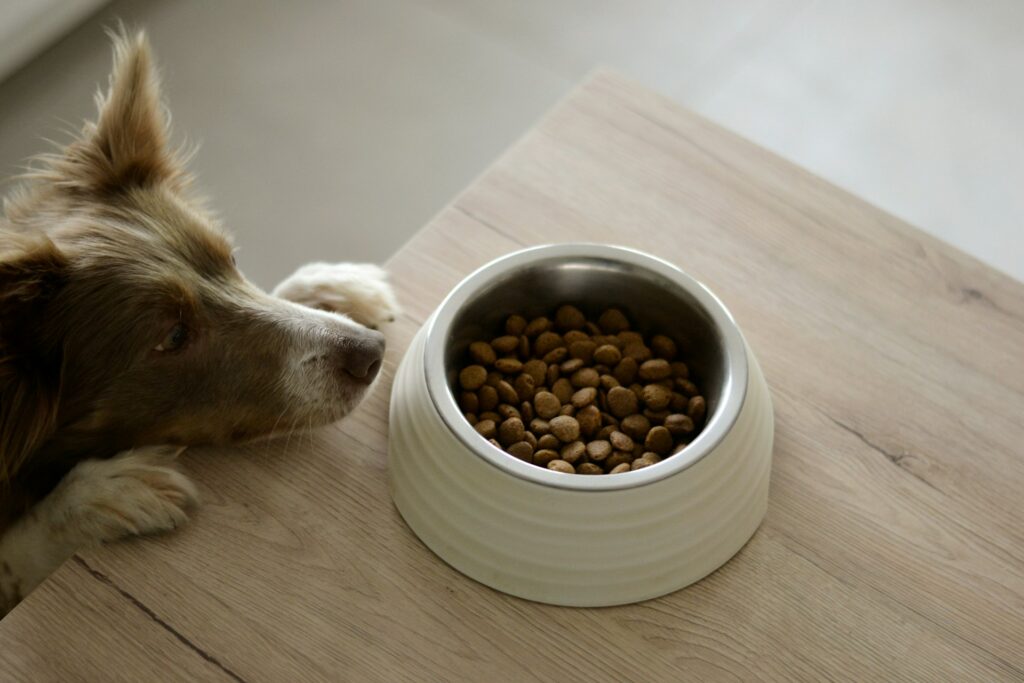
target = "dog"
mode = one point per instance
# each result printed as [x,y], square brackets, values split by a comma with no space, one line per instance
[127,333]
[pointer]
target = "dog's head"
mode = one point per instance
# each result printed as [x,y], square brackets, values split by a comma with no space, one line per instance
[123,317]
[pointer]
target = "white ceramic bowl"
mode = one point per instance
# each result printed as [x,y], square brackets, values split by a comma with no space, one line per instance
[575,539]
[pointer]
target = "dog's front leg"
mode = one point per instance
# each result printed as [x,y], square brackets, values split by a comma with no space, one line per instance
[137,492]
[358,290]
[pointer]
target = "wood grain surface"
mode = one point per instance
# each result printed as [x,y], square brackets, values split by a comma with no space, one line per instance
[893,548]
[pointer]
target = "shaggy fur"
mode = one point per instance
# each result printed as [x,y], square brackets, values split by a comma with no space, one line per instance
[127,332]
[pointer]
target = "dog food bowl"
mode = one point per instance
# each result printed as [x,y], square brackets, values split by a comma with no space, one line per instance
[571,539]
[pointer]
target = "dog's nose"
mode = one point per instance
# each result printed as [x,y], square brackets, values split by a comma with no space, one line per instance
[361,356]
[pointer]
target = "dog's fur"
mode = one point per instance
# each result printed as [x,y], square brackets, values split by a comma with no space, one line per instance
[127,333]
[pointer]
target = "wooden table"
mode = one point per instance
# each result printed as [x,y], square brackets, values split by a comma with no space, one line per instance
[894,542]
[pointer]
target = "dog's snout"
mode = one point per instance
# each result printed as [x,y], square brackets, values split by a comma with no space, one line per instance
[361,356]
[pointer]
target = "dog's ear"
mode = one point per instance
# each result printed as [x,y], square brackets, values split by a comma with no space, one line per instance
[32,273]
[128,144]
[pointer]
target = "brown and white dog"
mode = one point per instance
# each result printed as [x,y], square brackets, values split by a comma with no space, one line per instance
[127,333]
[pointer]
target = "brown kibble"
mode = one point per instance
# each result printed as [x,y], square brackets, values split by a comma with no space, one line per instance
[679,424]
[522,450]
[656,416]
[696,408]
[555,356]
[663,347]
[571,452]
[486,428]
[524,387]
[613,321]
[687,387]
[562,388]
[636,426]
[544,456]
[659,440]
[494,442]
[605,432]
[490,415]
[515,325]
[505,344]
[548,442]
[586,377]
[617,458]
[679,403]
[488,398]
[584,397]
[642,462]
[680,369]
[524,346]
[472,377]
[656,397]
[570,366]
[546,404]
[530,439]
[566,428]
[628,337]
[539,426]
[482,353]
[561,466]
[589,468]
[506,393]
[536,369]
[637,351]
[526,410]
[573,336]
[471,418]
[569,318]
[620,468]
[621,402]
[509,366]
[654,370]
[510,431]
[621,442]
[552,375]
[506,411]
[625,371]
[546,342]
[469,402]
[607,354]
[567,409]
[583,350]
[609,382]
[589,419]
[536,326]
[493,377]
[598,450]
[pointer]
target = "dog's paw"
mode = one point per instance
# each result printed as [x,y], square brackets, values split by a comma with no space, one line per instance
[137,492]
[358,290]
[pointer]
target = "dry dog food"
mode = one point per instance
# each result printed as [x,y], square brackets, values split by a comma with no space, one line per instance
[578,396]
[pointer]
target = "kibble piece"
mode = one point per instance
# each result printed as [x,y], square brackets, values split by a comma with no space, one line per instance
[549,442]
[486,428]
[471,418]
[544,456]
[505,344]
[488,397]
[625,371]
[469,402]
[621,441]
[493,377]
[546,342]
[566,428]
[573,336]
[613,321]
[552,375]
[679,403]
[680,369]
[622,402]
[526,410]
[506,393]
[656,416]
[659,440]
[536,326]
[522,450]
[583,350]
[606,354]
[569,318]
[494,442]
[679,424]
[586,377]
[515,325]
[561,466]
[530,439]
[606,431]
[509,366]
[696,408]
[491,415]
[654,370]
[663,347]
[546,404]
[472,377]
[562,388]
[620,468]
[617,458]
[537,369]
[641,463]
[524,387]
[609,382]
[627,337]
[511,431]
[571,452]
[638,351]
[482,353]
[584,397]
[570,366]
[656,397]
[591,328]
[524,346]
[567,409]
[636,426]
[598,450]
[589,419]
[506,411]
[687,387]
[589,468]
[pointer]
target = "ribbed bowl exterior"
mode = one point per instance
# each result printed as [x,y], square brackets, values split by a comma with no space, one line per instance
[577,548]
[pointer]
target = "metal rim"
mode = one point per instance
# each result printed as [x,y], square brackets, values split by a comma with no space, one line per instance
[732,396]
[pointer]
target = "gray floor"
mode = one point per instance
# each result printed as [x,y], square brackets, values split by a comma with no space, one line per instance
[333,130]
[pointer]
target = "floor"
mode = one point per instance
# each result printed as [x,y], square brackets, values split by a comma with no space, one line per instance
[333,130]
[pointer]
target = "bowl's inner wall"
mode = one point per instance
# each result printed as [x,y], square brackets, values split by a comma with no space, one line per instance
[653,304]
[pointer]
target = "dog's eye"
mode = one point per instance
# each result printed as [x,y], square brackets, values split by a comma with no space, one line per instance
[174,340]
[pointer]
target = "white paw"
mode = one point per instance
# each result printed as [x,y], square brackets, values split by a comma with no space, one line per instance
[137,492]
[358,290]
